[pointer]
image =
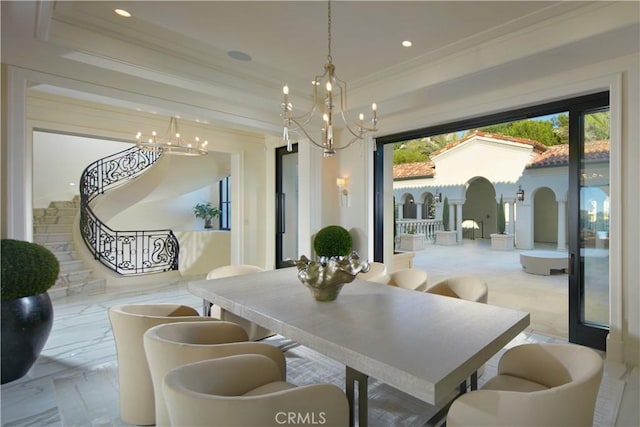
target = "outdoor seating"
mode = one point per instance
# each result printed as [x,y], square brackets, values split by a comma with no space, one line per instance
[174,344]
[537,385]
[248,390]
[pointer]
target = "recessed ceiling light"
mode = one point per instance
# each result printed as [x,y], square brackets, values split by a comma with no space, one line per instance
[123,12]
[407,43]
[240,56]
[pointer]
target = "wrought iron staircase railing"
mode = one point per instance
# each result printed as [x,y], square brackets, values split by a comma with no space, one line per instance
[124,252]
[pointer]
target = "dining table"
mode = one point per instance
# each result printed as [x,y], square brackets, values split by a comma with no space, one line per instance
[425,345]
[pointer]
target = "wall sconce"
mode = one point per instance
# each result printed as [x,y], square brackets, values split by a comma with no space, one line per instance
[437,197]
[520,194]
[343,191]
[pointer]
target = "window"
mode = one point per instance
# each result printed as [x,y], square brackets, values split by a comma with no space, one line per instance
[225,203]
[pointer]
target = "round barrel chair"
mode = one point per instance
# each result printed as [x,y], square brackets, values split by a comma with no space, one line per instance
[129,322]
[540,384]
[248,390]
[174,344]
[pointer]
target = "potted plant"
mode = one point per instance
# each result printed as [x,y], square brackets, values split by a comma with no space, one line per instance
[207,212]
[28,271]
[332,241]
[501,240]
[445,236]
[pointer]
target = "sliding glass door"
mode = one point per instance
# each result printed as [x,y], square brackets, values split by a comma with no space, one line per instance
[589,222]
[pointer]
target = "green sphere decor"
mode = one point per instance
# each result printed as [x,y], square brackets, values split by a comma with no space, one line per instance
[331,241]
[27,269]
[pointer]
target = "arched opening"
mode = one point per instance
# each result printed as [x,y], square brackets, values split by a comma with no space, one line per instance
[479,209]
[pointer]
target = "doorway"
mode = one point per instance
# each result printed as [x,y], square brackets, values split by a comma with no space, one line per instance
[286,205]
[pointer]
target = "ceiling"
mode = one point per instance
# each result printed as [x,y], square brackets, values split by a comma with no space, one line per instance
[172,57]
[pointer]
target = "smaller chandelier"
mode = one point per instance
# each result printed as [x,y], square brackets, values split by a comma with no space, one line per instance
[172,142]
[333,102]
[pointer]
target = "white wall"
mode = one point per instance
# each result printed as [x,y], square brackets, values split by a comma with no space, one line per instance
[63,158]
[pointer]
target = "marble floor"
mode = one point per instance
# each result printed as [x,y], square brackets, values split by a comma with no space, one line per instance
[74,383]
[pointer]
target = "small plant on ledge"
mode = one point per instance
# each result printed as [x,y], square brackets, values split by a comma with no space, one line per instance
[207,212]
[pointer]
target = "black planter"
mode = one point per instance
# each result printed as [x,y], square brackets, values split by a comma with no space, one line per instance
[26,323]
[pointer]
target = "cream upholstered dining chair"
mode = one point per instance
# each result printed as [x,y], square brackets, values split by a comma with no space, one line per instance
[174,344]
[377,273]
[467,287]
[254,331]
[537,385]
[409,278]
[129,322]
[248,390]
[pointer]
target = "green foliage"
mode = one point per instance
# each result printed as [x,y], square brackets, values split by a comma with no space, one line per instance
[500,217]
[332,240]
[597,126]
[27,269]
[445,214]
[418,150]
[539,130]
[206,211]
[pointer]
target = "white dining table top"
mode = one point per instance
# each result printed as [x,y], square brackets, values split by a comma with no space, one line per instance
[422,344]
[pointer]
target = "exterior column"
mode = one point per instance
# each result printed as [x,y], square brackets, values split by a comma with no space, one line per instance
[419,211]
[512,228]
[459,221]
[399,209]
[562,225]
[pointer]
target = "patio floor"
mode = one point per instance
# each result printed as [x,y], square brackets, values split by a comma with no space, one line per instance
[544,297]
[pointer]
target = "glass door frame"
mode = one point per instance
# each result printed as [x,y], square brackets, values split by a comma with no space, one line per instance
[578,332]
[280,214]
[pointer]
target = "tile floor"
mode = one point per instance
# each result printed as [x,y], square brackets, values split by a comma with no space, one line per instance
[81,345]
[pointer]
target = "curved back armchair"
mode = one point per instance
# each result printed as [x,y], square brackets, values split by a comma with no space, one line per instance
[247,390]
[409,278]
[470,288]
[377,273]
[537,385]
[254,331]
[174,344]
[129,322]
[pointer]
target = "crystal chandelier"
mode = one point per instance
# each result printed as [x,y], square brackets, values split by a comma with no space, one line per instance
[172,142]
[333,102]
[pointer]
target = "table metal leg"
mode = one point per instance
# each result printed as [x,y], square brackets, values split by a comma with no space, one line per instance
[474,380]
[351,377]
[206,308]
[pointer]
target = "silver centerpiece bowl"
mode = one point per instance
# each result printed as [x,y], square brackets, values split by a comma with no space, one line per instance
[326,277]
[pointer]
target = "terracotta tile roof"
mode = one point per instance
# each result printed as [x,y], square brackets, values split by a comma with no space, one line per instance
[414,170]
[558,155]
[537,146]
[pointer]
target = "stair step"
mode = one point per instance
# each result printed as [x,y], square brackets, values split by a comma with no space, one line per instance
[62,204]
[66,255]
[66,277]
[84,287]
[52,237]
[71,266]
[61,212]
[53,228]
[58,246]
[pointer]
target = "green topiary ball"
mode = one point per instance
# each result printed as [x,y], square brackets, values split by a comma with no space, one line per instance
[332,240]
[27,269]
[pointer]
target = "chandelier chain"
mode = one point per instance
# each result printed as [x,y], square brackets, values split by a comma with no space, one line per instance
[329,58]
